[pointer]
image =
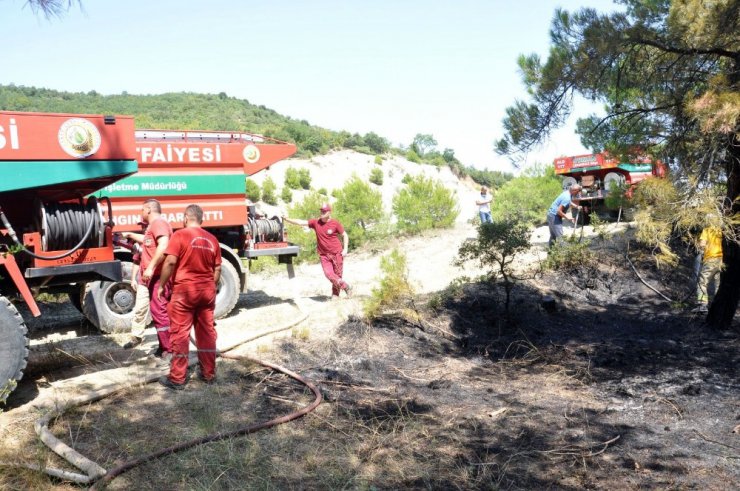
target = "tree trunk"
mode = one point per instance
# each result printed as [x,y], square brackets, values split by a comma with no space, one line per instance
[725,302]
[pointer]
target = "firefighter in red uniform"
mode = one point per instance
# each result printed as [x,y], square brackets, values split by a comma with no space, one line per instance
[331,250]
[154,242]
[193,257]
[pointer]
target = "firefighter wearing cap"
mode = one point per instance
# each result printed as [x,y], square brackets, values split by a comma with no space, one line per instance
[331,250]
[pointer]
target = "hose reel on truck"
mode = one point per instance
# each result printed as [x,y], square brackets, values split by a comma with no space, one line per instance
[51,237]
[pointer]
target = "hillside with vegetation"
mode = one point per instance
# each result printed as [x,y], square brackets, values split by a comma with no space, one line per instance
[221,112]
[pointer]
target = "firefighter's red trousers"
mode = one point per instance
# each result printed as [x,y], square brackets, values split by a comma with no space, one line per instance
[192,308]
[333,265]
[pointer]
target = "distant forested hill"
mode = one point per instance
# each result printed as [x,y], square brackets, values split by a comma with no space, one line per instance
[220,112]
[189,111]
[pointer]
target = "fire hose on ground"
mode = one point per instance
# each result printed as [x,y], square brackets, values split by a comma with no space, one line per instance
[98,476]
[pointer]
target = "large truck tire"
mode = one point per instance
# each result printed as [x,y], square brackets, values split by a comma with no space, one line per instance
[227,291]
[13,347]
[109,305]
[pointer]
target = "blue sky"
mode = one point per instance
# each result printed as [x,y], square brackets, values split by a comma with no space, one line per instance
[398,68]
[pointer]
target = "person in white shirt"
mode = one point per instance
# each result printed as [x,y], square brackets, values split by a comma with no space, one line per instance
[484,205]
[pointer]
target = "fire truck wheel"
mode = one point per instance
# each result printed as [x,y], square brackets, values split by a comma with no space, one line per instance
[227,293]
[13,347]
[109,305]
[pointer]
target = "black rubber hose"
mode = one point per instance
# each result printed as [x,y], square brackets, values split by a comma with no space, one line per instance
[61,227]
[113,473]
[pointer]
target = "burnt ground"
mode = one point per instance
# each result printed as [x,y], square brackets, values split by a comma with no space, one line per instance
[613,388]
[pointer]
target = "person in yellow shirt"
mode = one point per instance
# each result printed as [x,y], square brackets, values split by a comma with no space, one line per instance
[711,266]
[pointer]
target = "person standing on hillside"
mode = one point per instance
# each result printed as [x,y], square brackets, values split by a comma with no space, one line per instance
[558,210]
[194,261]
[710,241]
[154,242]
[484,205]
[331,250]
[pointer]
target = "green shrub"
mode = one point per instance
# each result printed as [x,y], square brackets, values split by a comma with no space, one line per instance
[323,191]
[412,156]
[527,197]
[269,191]
[253,190]
[406,178]
[376,176]
[378,160]
[375,143]
[304,178]
[394,285]
[436,160]
[454,290]
[424,204]
[497,244]
[286,195]
[570,253]
[292,178]
[359,208]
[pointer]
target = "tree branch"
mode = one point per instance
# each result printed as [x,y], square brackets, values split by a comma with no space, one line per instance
[685,51]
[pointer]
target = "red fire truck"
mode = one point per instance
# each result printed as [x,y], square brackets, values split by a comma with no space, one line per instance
[53,233]
[183,167]
[599,174]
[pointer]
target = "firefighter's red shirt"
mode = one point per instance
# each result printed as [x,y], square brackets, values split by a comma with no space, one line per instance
[198,254]
[328,235]
[158,228]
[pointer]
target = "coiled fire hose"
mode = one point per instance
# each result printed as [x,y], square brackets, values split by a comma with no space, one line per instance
[66,225]
[266,230]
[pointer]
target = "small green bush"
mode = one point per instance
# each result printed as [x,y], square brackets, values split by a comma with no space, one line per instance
[424,204]
[454,290]
[304,178]
[570,253]
[375,143]
[376,176]
[269,191]
[394,285]
[378,160]
[406,178]
[497,244]
[253,191]
[412,156]
[323,191]
[286,195]
[292,178]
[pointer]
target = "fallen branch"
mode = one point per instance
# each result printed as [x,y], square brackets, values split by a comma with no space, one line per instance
[715,441]
[409,377]
[643,280]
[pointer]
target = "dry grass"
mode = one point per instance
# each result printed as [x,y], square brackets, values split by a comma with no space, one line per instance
[443,400]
